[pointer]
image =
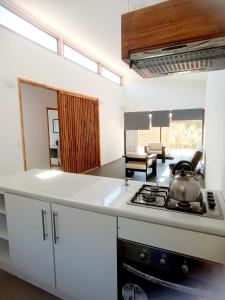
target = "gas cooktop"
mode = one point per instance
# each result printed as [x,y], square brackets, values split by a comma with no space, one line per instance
[206,205]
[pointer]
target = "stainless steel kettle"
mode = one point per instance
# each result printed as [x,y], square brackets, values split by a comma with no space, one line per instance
[185,185]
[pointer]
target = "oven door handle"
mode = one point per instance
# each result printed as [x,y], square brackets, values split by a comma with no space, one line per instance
[168,284]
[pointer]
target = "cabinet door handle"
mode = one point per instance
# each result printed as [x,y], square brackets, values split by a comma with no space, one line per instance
[43,216]
[56,237]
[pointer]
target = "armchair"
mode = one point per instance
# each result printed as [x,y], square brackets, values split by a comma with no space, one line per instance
[184,164]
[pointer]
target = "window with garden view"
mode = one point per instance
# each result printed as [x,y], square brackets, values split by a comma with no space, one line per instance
[180,135]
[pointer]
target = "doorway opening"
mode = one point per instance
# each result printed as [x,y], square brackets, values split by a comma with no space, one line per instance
[60,129]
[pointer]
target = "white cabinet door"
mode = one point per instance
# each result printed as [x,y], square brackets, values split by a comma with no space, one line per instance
[30,238]
[85,253]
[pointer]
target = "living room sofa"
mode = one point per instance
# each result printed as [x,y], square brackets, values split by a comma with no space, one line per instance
[156,148]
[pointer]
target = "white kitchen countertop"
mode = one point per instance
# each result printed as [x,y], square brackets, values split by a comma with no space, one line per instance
[103,195]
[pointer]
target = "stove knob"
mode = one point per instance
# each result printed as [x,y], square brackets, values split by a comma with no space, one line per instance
[143,256]
[185,268]
[212,204]
[162,260]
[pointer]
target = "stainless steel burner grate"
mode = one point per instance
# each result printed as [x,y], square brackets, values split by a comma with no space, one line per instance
[158,197]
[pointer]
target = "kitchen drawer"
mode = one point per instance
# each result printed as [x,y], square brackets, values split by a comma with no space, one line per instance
[201,245]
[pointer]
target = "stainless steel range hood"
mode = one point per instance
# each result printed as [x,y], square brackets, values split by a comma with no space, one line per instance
[193,57]
[175,36]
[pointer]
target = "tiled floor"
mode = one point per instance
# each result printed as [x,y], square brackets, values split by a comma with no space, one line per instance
[13,288]
[116,169]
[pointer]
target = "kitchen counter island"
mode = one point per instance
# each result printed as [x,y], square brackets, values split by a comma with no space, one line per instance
[104,195]
[60,231]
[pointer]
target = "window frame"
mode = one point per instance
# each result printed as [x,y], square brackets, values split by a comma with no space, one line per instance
[35,24]
[65,43]
[110,70]
[60,41]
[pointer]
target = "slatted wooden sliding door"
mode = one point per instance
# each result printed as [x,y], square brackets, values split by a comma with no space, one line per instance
[79,133]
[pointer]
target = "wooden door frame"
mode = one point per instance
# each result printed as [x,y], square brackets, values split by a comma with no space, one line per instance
[58,90]
[22,124]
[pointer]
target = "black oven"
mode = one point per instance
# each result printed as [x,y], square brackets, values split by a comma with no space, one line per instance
[149,273]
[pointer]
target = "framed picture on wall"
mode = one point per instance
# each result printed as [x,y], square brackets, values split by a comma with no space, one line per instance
[55,124]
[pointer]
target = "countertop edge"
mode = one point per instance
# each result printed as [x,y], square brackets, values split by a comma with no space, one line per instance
[112,212]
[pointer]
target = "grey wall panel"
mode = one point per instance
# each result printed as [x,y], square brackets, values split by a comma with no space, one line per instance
[136,120]
[188,114]
[161,118]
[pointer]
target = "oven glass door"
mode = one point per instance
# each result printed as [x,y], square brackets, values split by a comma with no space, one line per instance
[136,284]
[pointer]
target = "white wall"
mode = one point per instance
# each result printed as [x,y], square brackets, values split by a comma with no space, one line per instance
[215,131]
[22,58]
[172,92]
[131,140]
[223,180]
[35,101]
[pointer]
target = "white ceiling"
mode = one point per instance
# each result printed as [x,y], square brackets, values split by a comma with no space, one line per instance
[92,25]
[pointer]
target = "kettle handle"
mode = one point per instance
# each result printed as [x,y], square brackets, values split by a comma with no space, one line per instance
[180,163]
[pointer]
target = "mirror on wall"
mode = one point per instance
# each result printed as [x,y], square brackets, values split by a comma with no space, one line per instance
[53,131]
